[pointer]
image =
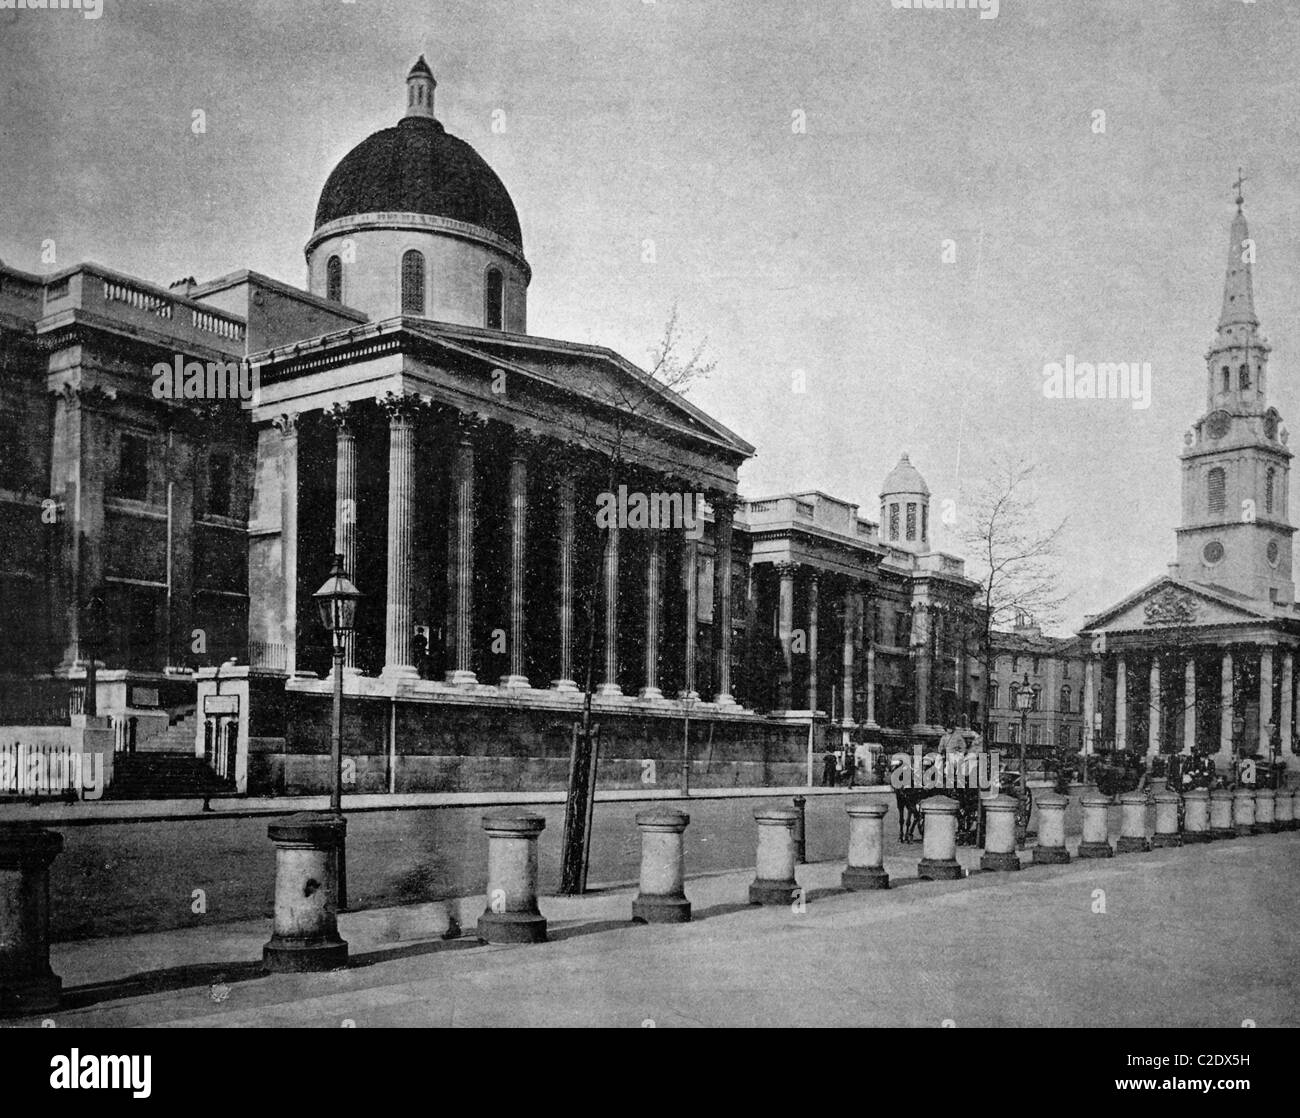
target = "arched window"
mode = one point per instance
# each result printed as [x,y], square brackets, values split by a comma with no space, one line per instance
[1268,489]
[1227,379]
[334,280]
[1216,487]
[1065,700]
[911,520]
[1012,691]
[893,522]
[994,695]
[494,299]
[412,282]
[1243,377]
[1037,696]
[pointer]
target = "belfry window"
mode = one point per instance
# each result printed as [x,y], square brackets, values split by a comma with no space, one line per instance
[1243,377]
[1227,379]
[925,523]
[893,522]
[412,282]
[1216,490]
[334,280]
[1268,489]
[911,520]
[494,300]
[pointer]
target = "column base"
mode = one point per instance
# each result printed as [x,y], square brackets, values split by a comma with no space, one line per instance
[39,993]
[283,955]
[1130,845]
[461,678]
[939,869]
[859,878]
[356,673]
[396,673]
[516,681]
[689,697]
[724,699]
[1159,842]
[651,694]
[766,891]
[658,908]
[1051,856]
[512,927]
[610,691]
[1261,829]
[564,685]
[1096,850]
[998,861]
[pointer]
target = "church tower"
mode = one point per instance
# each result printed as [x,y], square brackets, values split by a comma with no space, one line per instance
[1236,530]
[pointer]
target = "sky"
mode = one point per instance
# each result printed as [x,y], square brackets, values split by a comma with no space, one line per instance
[905,213]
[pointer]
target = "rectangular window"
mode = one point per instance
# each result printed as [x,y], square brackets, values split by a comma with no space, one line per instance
[219,483]
[925,523]
[1013,733]
[1034,732]
[911,520]
[893,522]
[133,468]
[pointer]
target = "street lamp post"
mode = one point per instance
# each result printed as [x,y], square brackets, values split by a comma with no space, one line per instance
[337,602]
[1024,700]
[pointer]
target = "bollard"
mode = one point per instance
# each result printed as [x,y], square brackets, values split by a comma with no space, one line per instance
[1196,816]
[1221,814]
[1166,821]
[1000,834]
[1243,811]
[774,883]
[27,984]
[939,847]
[1284,810]
[1095,842]
[1051,830]
[662,899]
[511,915]
[1132,824]
[801,830]
[305,935]
[1265,806]
[866,868]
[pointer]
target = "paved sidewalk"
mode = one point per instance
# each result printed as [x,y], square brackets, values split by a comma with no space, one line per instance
[1200,936]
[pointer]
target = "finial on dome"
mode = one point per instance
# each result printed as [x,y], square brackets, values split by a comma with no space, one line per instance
[420,84]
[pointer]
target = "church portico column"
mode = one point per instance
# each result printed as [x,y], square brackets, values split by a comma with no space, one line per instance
[1288,708]
[1224,755]
[1265,697]
[343,419]
[689,691]
[566,502]
[1121,703]
[785,632]
[724,512]
[814,580]
[846,704]
[287,425]
[402,410]
[1155,707]
[461,568]
[653,610]
[1189,706]
[609,686]
[1089,705]
[519,452]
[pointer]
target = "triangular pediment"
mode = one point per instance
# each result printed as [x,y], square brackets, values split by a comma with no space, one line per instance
[1170,603]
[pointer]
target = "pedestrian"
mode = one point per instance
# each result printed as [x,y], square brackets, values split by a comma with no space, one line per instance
[828,770]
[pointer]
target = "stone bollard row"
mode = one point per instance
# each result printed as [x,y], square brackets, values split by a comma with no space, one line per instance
[866,866]
[1167,833]
[1132,824]
[1051,830]
[939,847]
[1265,805]
[27,984]
[1284,810]
[1000,834]
[512,915]
[1096,829]
[662,896]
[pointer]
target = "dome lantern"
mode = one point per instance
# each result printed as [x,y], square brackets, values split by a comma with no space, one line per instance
[420,84]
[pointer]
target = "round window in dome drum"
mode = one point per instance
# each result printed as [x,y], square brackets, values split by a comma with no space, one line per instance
[1213,552]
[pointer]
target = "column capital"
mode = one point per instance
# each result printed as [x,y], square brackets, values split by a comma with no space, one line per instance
[342,417]
[721,503]
[286,424]
[786,569]
[525,441]
[401,407]
[469,426]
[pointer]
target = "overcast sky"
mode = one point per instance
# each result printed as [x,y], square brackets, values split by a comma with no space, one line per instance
[819,251]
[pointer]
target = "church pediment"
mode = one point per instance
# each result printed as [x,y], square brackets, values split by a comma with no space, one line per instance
[1169,603]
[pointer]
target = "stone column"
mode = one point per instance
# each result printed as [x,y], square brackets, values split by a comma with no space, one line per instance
[871,688]
[305,936]
[523,443]
[1089,705]
[1000,834]
[1287,726]
[662,896]
[1121,704]
[653,611]
[846,704]
[939,844]
[1224,755]
[1189,706]
[27,984]
[343,420]
[724,514]
[785,631]
[1051,830]
[1265,698]
[287,425]
[774,881]
[1155,707]
[866,862]
[609,686]
[689,689]
[814,579]
[402,410]
[566,501]
[512,915]
[460,571]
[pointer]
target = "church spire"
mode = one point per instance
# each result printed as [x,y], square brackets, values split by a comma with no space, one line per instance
[1238,290]
[420,84]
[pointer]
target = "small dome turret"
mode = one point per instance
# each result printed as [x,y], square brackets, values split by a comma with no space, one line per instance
[905,508]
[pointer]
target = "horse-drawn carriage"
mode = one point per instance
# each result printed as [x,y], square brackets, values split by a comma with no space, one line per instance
[911,820]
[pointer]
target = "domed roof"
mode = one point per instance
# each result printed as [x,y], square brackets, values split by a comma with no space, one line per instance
[416,167]
[905,478]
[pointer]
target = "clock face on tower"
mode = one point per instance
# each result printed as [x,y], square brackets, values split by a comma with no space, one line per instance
[1217,425]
